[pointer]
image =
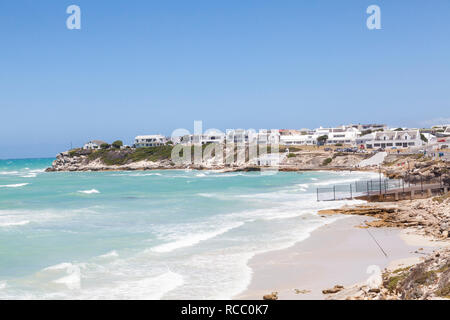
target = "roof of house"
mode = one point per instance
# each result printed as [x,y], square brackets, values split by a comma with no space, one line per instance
[97,142]
[396,135]
[153,136]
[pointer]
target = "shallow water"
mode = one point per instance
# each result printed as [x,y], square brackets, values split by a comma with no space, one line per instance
[147,234]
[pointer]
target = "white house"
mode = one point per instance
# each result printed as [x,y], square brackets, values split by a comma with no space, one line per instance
[298,140]
[210,136]
[150,141]
[361,142]
[397,139]
[93,145]
[340,135]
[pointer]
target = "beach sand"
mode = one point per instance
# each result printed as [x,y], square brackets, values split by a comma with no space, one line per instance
[337,253]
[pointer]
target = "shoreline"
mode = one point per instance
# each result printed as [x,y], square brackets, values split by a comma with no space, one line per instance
[338,253]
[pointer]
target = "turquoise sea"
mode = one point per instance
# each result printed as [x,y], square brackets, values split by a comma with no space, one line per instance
[147,234]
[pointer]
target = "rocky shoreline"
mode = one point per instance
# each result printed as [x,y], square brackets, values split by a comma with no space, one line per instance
[427,279]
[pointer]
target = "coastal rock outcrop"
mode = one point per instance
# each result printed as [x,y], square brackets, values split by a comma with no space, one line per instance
[427,280]
[430,217]
[272,296]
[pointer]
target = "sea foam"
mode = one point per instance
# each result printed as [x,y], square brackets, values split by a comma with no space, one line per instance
[18,185]
[92,191]
[193,239]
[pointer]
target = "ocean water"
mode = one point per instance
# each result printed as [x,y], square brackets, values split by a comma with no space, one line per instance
[147,234]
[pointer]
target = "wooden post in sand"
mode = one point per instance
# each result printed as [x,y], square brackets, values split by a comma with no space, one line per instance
[412,194]
[429,192]
[396,196]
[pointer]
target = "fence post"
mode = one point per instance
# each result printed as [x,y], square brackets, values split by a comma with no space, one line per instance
[334,192]
[351,194]
[317,191]
[368,193]
[421,185]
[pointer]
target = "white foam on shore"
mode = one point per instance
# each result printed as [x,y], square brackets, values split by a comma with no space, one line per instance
[72,281]
[18,185]
[92,191]
[3,285]
[151,288]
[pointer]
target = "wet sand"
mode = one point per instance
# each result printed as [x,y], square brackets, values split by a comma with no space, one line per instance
[337,253]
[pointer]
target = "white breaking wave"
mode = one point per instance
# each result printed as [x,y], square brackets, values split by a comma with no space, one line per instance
[11,224]
[153,288]
[193,239]
[18,185]
[8,172]
[92,191]
[73,279]
[3,285]
[111,254]
[60,266]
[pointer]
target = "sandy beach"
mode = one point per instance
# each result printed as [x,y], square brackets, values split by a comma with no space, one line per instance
[338,253]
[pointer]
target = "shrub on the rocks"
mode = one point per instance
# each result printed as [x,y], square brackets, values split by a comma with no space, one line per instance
[117,144]
[327,161]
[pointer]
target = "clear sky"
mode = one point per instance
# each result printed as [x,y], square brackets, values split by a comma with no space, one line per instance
[145,67]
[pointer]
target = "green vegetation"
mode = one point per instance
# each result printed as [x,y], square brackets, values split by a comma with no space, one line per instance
[422,137]
[121,157]
[322,139]
[400,270]
[394,281]
[441,199]
[104,146]
[292,155]
[444,291]
[327,161]
[117,144]
[338,144]
[74,152]
[426,277]
[398,129]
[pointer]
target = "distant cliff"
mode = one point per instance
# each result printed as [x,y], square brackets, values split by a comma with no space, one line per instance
[113,159]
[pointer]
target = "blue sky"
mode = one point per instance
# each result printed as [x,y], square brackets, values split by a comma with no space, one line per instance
[143,67]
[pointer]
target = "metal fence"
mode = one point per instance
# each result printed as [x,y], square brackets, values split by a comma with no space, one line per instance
[373,187]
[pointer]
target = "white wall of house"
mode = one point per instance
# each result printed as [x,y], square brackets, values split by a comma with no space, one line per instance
[395,139]
[298,140]
[155,140]
[93,145]
[339,135]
